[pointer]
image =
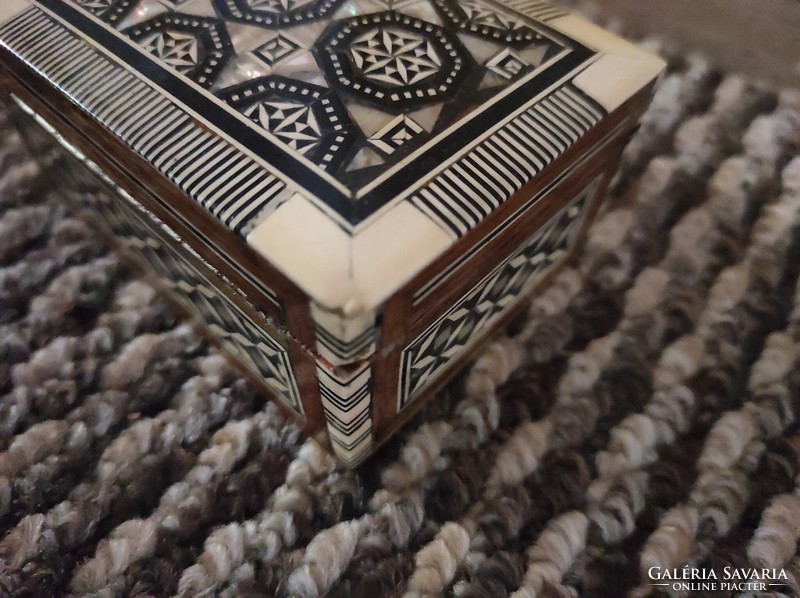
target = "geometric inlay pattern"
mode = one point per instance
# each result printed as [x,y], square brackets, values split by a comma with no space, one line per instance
[274,14]
[293,123]
[394,56]
[198,47]
[279,47]
[393,60]
[385,60]
[507,64]
[110,11]
[308,119]
[396,134]
[456,330]
[179,50]
[482,19]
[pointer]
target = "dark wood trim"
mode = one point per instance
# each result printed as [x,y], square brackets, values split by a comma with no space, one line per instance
[305,372]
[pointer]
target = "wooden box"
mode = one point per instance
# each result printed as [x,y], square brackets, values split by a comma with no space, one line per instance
[348,196]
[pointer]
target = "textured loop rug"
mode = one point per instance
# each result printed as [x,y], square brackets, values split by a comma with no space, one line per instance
[642,414]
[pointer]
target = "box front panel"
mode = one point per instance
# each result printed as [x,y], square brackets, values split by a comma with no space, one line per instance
[214,302]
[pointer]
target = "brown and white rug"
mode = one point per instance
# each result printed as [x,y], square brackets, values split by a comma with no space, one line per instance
[643,414]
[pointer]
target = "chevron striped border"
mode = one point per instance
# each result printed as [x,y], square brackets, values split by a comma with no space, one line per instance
[477,184]
[348,413]
[543,194]
[340,351]
[344,340]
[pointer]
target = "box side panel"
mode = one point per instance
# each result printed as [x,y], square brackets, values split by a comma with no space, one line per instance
[220,309]
[284,304]
[436,322]
[436,349]
[217,246]
[429,294]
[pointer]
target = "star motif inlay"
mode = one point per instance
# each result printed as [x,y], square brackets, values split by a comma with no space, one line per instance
[277,6]
[293,123]
[179,50]
[394,56]
[307,119]
[276,49]
[393,60]
[480,14]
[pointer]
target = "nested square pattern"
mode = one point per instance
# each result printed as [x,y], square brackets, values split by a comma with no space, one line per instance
[366,152]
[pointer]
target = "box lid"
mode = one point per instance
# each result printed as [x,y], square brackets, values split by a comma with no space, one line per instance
[349,143]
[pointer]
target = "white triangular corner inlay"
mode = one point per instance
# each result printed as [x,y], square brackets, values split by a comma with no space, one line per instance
[427,117]
[368,119]
[364,159]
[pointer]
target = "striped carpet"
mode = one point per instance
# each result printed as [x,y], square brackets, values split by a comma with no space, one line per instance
[642,414]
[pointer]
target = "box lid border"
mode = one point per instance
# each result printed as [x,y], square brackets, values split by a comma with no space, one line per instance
[354,269]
